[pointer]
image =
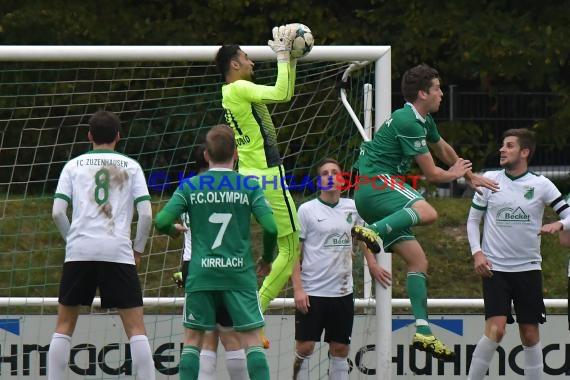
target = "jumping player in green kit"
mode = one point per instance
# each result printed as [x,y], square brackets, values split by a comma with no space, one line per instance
[222,272]
[390,211]
[245,106]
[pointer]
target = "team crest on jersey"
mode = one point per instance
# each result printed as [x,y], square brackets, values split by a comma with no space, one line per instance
[528,192]
[349,218]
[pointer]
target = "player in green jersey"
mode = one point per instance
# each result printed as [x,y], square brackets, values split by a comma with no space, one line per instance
[391,211]
[221,272]
[235,358]
[245,106]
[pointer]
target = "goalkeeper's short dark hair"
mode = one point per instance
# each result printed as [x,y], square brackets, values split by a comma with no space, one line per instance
[418,78]
[104,127]
[223,58]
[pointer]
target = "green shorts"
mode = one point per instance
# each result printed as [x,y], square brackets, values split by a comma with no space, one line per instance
[242,305]
[374,203]
[271,181]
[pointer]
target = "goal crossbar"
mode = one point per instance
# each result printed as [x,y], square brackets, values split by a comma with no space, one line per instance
[63,53]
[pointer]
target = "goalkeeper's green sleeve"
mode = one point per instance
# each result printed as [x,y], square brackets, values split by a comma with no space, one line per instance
[292,77]
[267,222]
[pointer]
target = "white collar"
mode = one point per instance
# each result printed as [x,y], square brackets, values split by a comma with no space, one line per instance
[418,116]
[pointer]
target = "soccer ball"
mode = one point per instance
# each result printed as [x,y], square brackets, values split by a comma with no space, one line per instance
[303,42]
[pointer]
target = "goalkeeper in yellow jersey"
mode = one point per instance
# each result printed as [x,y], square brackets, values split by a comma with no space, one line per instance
[245,106]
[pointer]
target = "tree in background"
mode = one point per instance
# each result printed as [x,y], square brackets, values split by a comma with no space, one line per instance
[481,45]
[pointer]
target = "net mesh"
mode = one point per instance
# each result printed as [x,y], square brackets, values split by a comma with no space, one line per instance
[165,109]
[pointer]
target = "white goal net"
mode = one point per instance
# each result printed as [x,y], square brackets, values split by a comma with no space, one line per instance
[166,98]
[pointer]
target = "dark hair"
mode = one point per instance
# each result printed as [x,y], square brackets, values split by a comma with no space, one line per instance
[324,161]
[223,58]
[418,78]
[198,154]
[104,127]
[220,144]
[526,139]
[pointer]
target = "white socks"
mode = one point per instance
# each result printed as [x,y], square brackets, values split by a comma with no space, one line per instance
[142,357]
[58,356]
[237,365]
[533,362]
[485,350]
[207,365]
[303,373]
[338,368]
[481,359]
[60,346]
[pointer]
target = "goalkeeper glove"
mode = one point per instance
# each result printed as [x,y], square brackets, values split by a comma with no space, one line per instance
[282,42]
[177,277]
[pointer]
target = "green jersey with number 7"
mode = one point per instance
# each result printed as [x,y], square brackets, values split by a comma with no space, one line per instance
[219,203]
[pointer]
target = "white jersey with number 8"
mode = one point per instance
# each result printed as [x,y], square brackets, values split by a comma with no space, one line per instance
[103,187]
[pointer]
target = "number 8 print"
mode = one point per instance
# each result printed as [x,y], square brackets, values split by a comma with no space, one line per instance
[102,182]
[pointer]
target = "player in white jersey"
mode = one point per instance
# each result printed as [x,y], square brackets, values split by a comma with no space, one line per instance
[565,242]
[235,355]
[103,188]
[322,280]
[509,259]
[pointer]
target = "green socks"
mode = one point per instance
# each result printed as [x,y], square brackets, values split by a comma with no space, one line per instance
[257,366]
[417,291]
[189,363]
[400,220]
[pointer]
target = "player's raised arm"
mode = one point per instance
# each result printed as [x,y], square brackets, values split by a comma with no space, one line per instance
[284,86]
[435,174]
[447,155]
